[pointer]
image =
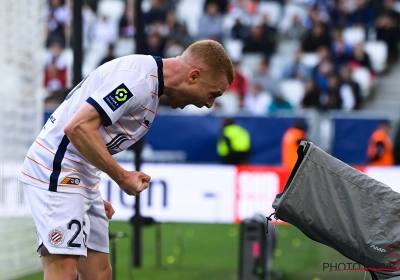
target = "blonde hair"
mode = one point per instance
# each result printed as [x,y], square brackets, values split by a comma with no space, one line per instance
[214,57]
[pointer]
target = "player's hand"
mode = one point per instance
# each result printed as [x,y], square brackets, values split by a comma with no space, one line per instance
[109,209]
[134,182]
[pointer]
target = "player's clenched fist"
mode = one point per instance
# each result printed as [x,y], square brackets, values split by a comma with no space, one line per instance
[134,182]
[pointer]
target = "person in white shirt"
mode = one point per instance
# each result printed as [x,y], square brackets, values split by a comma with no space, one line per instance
[256,101]
[104,31]
[106,113]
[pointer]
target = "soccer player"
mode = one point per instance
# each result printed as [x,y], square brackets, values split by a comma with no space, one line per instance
[107,112]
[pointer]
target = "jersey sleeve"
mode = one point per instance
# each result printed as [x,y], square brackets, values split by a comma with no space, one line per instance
[118,95]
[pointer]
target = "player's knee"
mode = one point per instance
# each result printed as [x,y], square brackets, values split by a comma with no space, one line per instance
[108,273]
[100,273]
[57,266]
[69,274]
[64,271]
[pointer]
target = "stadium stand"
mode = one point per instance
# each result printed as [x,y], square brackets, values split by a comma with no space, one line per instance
[279,16]
[283,26]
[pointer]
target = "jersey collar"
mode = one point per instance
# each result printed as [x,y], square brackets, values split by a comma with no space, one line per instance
[160,75]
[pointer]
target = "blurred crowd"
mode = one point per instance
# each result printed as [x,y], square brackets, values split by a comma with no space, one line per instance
[59,38]
[288,54]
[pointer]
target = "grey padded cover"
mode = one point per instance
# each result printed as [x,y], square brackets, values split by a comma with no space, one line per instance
[381,275]
[343,208]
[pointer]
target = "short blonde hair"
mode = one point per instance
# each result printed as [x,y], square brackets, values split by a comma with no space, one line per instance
[213,55]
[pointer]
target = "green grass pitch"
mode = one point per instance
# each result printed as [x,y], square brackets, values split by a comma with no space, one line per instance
[210,252]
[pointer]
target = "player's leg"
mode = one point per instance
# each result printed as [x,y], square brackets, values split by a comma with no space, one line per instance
[63,267]
[96,265]
[60,226]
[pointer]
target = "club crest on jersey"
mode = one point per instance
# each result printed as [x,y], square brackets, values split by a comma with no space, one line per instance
[56,237]
[118,97]
[71,181]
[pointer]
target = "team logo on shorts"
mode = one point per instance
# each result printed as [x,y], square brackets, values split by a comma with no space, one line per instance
[56,237]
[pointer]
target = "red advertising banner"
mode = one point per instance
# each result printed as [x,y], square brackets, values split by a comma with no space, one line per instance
[256,188]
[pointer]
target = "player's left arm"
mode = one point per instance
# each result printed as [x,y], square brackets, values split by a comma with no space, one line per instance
[83,132]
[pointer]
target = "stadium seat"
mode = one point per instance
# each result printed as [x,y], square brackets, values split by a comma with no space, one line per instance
[310,59]
[227,24]
[93,56]
[190,11]
[354,35]
[289,11]
[363,77]
[272,9]
[378,52]
[250,62]
[397,6]
[292,91]
[146,6]
[229,102]
[112,9]
[69,58]
[234,48]
[124,46]
[277,64]
[288,47]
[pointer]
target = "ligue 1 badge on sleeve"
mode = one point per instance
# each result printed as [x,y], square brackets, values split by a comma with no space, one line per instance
[56,237]
[118,97]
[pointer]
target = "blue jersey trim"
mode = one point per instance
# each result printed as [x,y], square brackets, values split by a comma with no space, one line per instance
[100,110]
[160,75]
[62,148]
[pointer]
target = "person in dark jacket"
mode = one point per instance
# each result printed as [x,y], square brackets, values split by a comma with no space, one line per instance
[315,38]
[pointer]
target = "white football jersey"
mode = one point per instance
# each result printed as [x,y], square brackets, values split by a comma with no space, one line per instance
[125,92]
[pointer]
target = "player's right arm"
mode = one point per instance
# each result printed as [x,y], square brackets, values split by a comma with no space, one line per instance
[83,132]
